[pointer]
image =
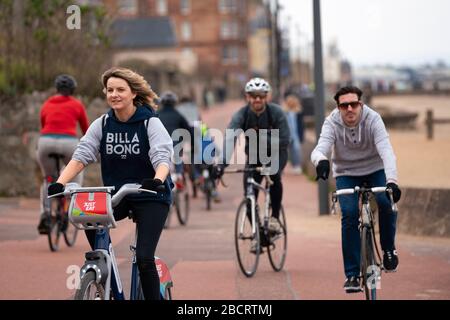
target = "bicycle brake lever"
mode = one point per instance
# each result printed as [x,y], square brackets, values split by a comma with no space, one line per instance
[393,204]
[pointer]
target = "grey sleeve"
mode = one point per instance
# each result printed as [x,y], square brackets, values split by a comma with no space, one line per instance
[326,141]
[385,150]
[161,145]
[88,149]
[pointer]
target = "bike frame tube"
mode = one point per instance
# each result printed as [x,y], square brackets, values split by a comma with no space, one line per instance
[134,270]
[103,243]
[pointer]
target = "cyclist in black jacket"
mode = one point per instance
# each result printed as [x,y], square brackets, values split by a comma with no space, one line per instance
[173,120]
[259,114]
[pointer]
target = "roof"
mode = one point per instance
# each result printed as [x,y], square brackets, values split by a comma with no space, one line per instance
[154,32]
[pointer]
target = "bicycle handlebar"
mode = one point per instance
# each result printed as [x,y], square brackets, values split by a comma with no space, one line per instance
[126,189]
[358,189]
[265,171]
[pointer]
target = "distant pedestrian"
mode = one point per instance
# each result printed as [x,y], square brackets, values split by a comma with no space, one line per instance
[294,113]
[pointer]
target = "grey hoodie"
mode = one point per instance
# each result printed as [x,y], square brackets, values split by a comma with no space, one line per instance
[357,151]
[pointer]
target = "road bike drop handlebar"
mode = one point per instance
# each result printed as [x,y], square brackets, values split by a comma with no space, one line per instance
[361,190]
[264,171]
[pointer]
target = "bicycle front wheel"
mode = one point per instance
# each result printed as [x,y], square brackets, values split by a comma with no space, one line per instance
[370,270]
[277,248]
[244,237]
[182,206]
[54,223]
[89,288]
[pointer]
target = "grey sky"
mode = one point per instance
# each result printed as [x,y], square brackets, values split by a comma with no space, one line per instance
[378,31]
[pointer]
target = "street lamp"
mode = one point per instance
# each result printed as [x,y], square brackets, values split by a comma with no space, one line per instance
[319,100]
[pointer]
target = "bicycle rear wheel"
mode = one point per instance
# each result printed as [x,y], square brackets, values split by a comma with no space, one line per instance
[244,237]
[69,231]
[169,214]
[208,193]
[182,205]
[277,248]
[370,270]
[54,223]
[89,288]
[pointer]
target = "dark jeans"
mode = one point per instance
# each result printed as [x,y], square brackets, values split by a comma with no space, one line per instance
[276,190]
[351,239]
[150,217]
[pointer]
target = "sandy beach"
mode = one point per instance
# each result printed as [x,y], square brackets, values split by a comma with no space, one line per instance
[421,162]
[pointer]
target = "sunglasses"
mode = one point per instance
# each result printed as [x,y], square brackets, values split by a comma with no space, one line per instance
[353,104]
[258,95]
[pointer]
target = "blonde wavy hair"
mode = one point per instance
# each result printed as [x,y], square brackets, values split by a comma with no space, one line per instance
[137,83]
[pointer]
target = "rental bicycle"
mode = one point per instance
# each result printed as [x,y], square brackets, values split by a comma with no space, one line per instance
[57,220]
[251,231]
[371,262]
[92,209]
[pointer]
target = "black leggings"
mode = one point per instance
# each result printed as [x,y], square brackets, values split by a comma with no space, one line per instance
[150,217]
[276,190]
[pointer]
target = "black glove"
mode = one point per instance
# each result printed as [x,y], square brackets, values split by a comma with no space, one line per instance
[55,188]
[153,184]
[323,170]
[396,192]
[218,171]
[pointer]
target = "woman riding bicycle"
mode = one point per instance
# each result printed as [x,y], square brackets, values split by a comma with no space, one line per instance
[59,117]
[134,147]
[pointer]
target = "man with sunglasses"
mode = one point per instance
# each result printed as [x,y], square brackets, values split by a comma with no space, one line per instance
[258,115]
[361,153]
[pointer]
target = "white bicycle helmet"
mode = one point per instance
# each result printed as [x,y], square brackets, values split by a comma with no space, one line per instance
[257,84]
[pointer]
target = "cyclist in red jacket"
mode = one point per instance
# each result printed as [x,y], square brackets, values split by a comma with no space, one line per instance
[59,117]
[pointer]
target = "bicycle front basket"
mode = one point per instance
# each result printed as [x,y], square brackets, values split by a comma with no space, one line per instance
[91,208]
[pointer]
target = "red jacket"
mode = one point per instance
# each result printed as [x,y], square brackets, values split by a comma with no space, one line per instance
[60,114]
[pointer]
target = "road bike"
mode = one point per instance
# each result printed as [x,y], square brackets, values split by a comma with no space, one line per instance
[181,200]
[251,231]
[371,262]
[92,209]
[56,212]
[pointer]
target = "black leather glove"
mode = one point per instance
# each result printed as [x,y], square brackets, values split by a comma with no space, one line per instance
[55,188]
[323,170]
[153,184]
[218,171]
[396,192]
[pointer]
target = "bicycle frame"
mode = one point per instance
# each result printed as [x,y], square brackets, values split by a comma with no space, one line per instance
[101,260]
[366,226]
[251,184]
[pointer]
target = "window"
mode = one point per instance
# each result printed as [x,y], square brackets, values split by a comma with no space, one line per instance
[230,55]
[226,6]
[127,7]
[186,31]
[185,6]
[161,7]
[229,30]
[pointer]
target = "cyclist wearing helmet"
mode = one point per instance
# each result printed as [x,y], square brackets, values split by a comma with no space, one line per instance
[172,120]
[260,114]
[59,117]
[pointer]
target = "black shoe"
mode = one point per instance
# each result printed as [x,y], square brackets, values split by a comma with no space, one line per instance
[43,226]
[390,260]
[352,285]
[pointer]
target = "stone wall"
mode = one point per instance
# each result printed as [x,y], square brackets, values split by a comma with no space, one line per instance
[20,174]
